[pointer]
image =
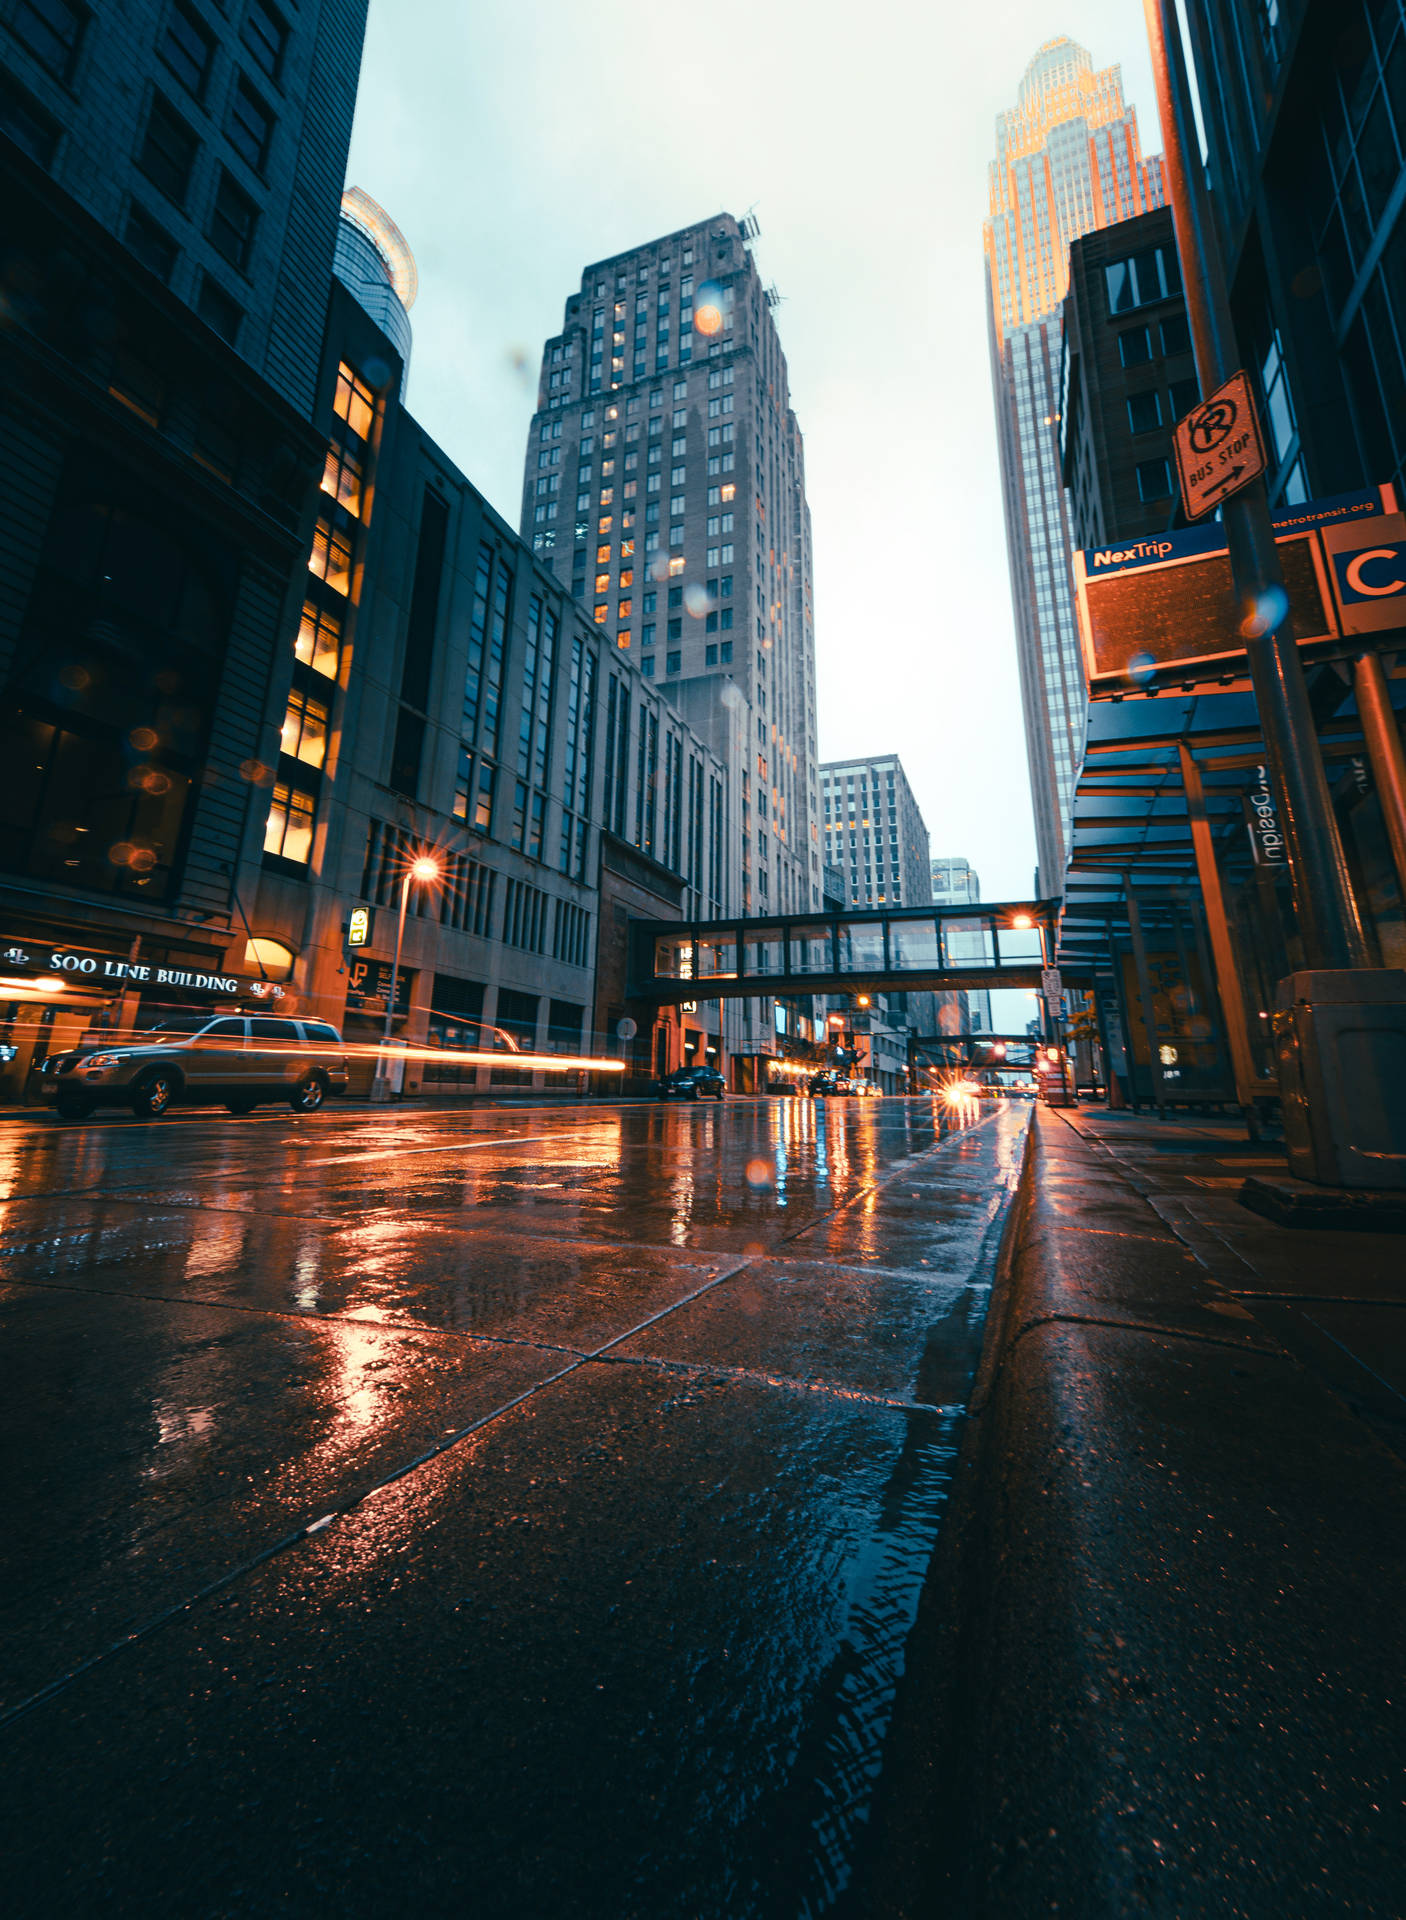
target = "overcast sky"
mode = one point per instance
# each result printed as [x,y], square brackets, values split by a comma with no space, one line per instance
[513,143]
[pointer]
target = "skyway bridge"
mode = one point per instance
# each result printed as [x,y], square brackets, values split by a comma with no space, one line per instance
[898,949]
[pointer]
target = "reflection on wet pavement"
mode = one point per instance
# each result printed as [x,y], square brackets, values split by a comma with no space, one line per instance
[508,1511]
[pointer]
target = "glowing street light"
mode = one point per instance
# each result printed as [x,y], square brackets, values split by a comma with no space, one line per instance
[425,871]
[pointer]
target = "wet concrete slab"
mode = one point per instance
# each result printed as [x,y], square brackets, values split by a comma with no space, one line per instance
[632,1643]
[818,1325]
[635,1658]
[162,1442]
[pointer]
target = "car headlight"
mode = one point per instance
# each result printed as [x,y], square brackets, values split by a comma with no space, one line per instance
[101,1060]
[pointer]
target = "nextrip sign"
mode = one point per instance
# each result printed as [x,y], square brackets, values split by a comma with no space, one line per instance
[1165,605]
[101,971]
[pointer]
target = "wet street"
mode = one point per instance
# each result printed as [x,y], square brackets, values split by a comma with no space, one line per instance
[512,1511]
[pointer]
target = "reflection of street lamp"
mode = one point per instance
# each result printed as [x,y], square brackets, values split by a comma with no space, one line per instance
[426,871]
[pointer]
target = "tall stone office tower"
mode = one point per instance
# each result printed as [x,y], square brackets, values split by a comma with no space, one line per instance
[665,479]
[1067,161]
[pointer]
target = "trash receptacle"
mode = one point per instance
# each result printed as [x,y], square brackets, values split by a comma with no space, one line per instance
[1340,1043]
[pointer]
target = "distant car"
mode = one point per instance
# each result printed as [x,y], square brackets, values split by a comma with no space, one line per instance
[233,1060]
[691,1083]
[822,1084]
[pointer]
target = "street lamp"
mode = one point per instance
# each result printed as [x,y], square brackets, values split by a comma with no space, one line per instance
[425,870]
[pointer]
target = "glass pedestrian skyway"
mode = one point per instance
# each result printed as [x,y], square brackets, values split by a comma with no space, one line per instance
[913,948]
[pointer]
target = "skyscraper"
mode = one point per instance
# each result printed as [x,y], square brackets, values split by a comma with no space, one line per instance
[1067,161]
[874,832]
[665,479]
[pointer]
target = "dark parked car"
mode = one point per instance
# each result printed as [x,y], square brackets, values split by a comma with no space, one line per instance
[193,1059]
[691,1083]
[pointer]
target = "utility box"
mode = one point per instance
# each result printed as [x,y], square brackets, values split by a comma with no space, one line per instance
[1340,1043]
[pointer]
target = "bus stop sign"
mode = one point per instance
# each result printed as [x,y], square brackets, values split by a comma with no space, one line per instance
[1220,448]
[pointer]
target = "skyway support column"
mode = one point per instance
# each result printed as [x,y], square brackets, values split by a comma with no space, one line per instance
[1228,987]
[1329,924]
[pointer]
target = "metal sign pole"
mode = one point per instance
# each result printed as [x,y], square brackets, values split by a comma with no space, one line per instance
[1329,923]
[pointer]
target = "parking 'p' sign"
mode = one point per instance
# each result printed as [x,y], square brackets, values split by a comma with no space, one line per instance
[1220,448]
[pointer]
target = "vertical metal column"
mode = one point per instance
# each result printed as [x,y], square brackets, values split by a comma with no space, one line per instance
[1144,982]
[1329,923]
[1228,987]
[1384,752]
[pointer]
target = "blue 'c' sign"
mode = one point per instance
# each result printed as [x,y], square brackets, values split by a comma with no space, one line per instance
[1371,573]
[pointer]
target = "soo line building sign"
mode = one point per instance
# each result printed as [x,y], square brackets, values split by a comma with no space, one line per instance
[1165,607]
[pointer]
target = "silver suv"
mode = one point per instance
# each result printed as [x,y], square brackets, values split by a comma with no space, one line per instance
[229,1059]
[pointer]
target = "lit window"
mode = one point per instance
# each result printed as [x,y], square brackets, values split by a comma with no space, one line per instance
[304,735]
[354,402]
[627,578]
[342,478]
[607,496]
[601,613]
[603,525]
[319,641]
[289,830]
[602,583]
[675,563]
[602,556]
[624,610]
[622,639]
[331,557]
[729,491]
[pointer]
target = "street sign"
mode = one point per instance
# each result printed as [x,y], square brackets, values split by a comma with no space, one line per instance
[626,1028]
[359,927]
[1053,989]
[1220,448]
[1369,573]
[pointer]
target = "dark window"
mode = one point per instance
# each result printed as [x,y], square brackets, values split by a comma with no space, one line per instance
[150,242]
[676,596]
[273,1030]
[671,665]
[564,1026]
[1176,334]
[725,651]
[711,624]
[710,656]
[647,667]
[249,125]
[1152,274]
[218,310]
[1154,479]
[725,587]
[265,35]
[424,602]
[232,221]
[168,150]
[319,1030]
[1144,411]
[675,629]
[726,618]
[1135,347]
[407,753]
[578,588]
[25,122]
[53,32]
[187,49]
[225,1030]
[1184,396]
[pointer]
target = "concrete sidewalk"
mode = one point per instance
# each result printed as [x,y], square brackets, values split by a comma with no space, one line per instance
[1159,1660]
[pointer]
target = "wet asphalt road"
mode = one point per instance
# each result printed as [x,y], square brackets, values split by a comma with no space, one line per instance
[488,1512]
